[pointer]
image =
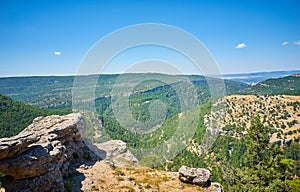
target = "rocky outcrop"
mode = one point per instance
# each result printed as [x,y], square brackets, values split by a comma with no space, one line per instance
[199,176]
[116,153]
[37,158]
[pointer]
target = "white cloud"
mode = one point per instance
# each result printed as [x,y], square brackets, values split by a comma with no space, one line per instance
[58,53]
[297,42]
[240,46]
[285,43]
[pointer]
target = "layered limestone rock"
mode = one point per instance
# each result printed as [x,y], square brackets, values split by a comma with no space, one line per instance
[37,158]
[199,176]
[116,153]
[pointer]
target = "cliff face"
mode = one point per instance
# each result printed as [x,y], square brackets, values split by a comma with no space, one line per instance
[48,149]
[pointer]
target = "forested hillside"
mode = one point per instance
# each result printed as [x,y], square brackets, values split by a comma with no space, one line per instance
[252,164]
[247,163]
[45,92]
[15,116]
[282,86]
[56,91]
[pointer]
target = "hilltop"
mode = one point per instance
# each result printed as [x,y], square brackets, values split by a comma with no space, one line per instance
[281,112]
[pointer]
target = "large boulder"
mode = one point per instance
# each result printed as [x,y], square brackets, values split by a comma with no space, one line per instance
[37,158]
[197,176]
[116,153]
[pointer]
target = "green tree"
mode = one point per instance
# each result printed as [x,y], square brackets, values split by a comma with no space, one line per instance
[263,168]
[15,115]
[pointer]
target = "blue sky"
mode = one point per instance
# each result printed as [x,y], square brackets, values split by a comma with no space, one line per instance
[31,31]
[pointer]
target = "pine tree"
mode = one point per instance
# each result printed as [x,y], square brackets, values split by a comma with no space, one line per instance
[262,169]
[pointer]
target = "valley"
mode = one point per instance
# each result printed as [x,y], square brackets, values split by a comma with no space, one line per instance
[220,144]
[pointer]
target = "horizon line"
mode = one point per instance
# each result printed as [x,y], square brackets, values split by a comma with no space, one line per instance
[190,74]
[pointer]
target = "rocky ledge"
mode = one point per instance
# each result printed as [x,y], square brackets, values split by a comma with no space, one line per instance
[40,156]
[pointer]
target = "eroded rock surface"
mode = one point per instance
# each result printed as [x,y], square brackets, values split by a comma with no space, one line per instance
[116,153]
[37,158]
[199,176]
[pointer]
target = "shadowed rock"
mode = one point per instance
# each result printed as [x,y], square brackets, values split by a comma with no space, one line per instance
[37,158]
[17,144]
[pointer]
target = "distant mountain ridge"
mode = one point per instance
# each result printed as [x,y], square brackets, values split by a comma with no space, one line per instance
[253,78]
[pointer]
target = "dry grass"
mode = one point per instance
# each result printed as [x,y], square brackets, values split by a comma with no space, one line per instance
[102,177]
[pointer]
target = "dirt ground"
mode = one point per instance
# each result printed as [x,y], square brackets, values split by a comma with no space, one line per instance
[103,177]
